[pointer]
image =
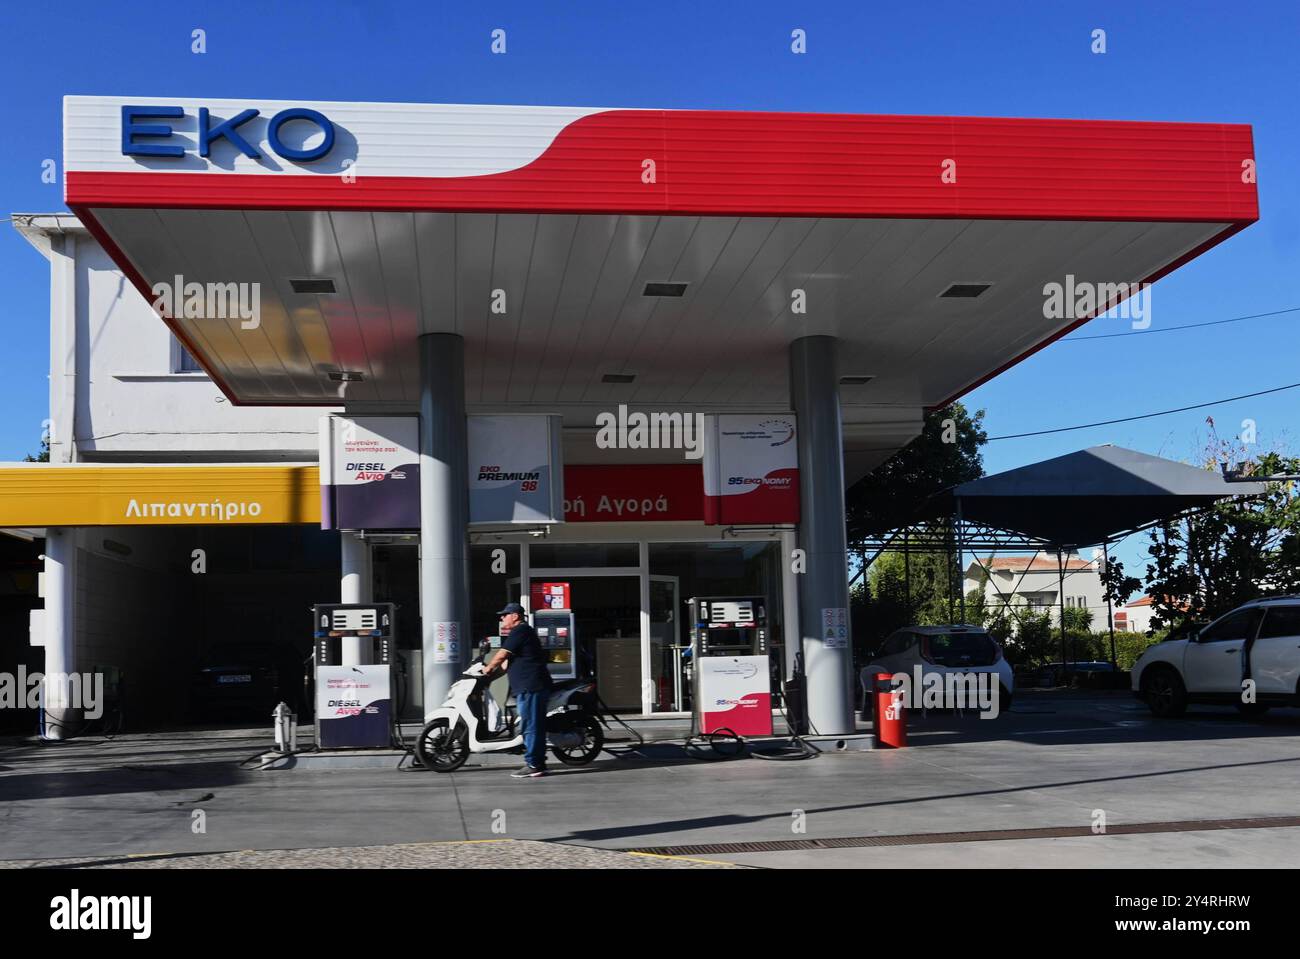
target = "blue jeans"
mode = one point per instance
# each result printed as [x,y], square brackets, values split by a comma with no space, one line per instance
[532,713]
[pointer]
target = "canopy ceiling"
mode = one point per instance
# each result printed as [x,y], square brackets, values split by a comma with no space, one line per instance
[534,231]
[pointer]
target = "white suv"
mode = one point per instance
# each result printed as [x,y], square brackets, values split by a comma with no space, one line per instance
[1259,641]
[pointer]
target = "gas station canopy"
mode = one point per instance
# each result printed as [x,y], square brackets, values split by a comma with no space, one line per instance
[664,259]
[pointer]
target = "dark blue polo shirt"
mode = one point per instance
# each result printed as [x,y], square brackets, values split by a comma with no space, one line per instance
[527,672]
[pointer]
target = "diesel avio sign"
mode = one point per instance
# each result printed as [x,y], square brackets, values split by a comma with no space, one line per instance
[370,472]
[152,131]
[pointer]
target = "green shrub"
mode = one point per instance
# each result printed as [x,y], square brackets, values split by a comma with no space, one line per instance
[1129,646]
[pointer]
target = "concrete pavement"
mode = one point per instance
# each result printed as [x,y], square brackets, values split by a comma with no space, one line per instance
[1055,762]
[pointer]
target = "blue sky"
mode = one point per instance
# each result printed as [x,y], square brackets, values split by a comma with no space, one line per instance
[1190,61]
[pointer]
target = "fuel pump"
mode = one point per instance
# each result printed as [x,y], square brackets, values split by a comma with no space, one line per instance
[557,632]
[354,703]
[732,677]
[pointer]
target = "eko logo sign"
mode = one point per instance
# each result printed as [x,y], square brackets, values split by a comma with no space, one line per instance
[140,127]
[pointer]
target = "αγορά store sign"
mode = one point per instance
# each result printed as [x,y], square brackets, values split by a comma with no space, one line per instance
[634,494]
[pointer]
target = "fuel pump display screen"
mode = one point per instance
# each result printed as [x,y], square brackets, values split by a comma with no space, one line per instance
[726,612]
[734,627]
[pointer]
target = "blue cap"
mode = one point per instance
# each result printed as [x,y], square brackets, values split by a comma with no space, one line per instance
[510,608]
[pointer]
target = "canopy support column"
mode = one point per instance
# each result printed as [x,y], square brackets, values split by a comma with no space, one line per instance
[444,514]
[824,588]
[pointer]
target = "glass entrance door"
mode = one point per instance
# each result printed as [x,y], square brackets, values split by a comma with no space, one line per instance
[666,650]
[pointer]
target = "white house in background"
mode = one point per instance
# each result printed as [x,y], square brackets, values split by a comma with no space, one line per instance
[1136,616]
[1035,582]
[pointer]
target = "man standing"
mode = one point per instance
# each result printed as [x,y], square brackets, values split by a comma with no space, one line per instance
[530,681]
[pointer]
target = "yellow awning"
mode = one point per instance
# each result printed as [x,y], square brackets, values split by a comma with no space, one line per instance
[41,494]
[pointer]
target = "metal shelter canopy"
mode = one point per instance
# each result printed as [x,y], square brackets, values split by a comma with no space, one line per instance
[1090,497]
[1086,498]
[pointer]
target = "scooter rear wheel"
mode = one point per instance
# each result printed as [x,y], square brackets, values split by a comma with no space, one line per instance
[593,741]
[442,750]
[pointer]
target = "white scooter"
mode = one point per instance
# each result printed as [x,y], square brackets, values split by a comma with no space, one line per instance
[471,721]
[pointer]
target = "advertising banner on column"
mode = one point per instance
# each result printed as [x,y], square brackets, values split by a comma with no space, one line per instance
[751,468]
[515,469]
[370,472]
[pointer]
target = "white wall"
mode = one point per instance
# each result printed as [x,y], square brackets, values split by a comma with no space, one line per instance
[1080,584]
[1139,617]
[129,403]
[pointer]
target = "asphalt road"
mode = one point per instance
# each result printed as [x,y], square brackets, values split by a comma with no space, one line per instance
[1109,784]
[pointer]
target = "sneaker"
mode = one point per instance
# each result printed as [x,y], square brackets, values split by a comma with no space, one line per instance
[527,772]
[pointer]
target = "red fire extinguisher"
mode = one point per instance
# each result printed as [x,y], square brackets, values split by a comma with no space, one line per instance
[889,714]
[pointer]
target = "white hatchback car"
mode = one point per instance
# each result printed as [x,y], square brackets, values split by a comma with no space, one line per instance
[1259,641]
[943,650]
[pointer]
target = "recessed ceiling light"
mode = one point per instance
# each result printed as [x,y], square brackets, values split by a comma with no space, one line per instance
[965,290]
[618,378]
[665,289]
[346,376]
[313,284]
[855,380]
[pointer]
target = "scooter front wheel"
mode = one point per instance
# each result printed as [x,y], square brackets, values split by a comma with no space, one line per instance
[441,749]
[593,741]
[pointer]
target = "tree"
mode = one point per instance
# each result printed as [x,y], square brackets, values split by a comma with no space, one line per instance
[1032,639]
[1078,619]
[920,590]
[916,591]
[1117,585]
[1209,562]
[946,453]
[43,456]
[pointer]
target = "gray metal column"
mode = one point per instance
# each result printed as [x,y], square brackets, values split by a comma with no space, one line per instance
[444,513]
[814,391]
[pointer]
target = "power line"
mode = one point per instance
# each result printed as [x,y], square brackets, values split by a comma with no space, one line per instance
[1186,326]
[1143,416]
